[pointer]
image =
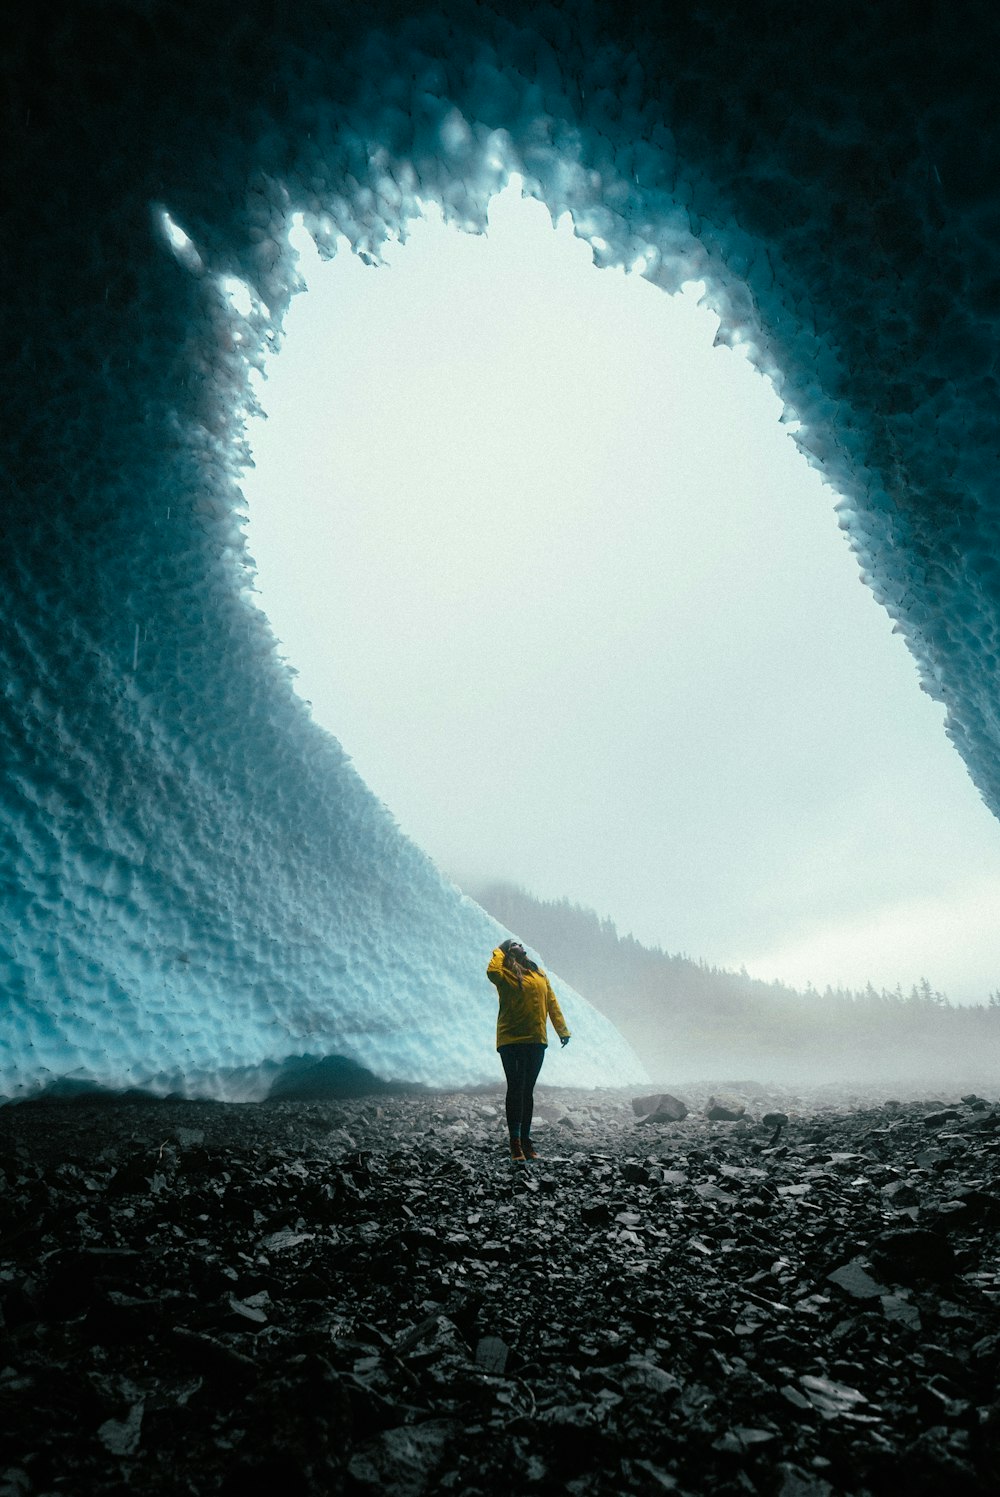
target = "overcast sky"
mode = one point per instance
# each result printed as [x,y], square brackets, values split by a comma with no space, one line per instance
[554,574]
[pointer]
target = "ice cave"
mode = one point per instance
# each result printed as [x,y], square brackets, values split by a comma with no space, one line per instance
[199,894]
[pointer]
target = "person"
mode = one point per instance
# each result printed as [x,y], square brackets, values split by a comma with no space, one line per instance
[527,1002]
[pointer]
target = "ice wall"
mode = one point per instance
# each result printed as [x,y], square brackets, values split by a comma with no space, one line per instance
[194,882]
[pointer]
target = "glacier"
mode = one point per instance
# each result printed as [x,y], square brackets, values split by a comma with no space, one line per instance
[197,890]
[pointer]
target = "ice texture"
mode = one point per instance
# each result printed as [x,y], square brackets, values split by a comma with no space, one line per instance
[195,883]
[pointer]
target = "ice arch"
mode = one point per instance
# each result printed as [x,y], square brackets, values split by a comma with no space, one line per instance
[195,883]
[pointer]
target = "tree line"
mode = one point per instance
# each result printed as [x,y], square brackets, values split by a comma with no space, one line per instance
[687,1018]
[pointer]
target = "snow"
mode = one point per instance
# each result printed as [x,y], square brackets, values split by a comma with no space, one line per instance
[195,884]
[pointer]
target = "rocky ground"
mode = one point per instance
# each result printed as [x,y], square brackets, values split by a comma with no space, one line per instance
[365,1297]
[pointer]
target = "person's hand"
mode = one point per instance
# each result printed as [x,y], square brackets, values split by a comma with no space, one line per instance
[564,1040]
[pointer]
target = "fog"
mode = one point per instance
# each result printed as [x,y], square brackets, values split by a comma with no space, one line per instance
[550,567]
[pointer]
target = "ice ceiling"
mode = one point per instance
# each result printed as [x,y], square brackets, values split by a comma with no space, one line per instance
[197,888]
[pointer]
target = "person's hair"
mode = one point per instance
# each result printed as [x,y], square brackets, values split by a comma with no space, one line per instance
[516,965]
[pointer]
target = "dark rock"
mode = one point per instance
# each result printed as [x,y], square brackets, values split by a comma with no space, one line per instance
[980,1205]
[243,1315]
[933,1158]
[19,1303]
[662,1108]
[213,1357]
[798,1483]
[674,1177]
[634,1173]
[854,1279]
[829,1398]
[122,1436]
[741,1439]
[719,1112]
[938,1119]
[897,1308]
[946,1216]
[900,1193]
[775,1120]
[710,1192]
[73,1275]
[937,1400]
[311,1286]
[595,1213]
[403,1460]
[492,1354]
[912,1255]
[116,1317]
[133,1176]
[673,1304]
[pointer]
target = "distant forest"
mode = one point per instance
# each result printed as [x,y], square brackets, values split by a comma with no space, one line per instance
[689,1020]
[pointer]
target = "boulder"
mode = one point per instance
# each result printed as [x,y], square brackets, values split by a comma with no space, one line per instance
[912,1255]
[854,1279]
[724,1110]
[662,1108]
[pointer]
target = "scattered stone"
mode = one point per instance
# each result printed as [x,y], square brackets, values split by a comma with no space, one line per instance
[662,1480]
[634,1173]
[896,1307]
[740,1439]
[854,1279]
[913,1254]
[243,1314]
[674,1177]
[798,1483]
[710,1192]
[595,1213]
[214,1357]
[121,1436]
[796,1398]
[645,1374]
[280,1242]
[724,1111]
[938,1119]
[492,1354]
[900,1193]
[929,1158]
[403,1461]
[382,1318]
[662,1108]
[829,1398]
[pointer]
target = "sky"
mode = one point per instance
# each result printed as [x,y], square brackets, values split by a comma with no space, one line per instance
[551,569]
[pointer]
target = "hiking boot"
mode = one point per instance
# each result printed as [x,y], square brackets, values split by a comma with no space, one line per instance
[516,1152]
[530,1152]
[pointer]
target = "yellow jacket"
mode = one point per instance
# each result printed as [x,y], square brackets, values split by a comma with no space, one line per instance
[524,1010]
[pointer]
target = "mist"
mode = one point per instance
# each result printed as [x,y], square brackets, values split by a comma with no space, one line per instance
[550,566]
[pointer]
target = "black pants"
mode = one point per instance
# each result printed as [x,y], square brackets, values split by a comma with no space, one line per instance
[521,1065]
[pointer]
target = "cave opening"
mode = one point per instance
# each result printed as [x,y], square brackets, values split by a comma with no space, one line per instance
[476,416]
